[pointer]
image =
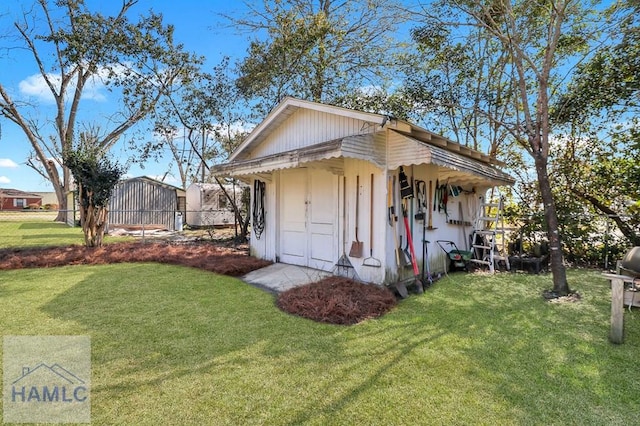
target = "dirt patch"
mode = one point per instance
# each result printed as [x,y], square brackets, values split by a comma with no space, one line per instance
[208,256]
[337,300]
[553,297]
[570,298]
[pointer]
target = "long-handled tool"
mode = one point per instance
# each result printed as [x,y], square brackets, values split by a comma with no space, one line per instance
[432,207]
[400,255]
[464,227]
[371,261]
[406,196]
[414,263]
[392,215]
[356,246]
[393,219]
[343,266]
[421,194]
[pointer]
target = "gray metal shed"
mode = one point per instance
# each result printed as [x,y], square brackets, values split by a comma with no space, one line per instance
[145,201]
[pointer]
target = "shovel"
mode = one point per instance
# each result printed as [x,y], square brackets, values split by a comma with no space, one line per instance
[356,246]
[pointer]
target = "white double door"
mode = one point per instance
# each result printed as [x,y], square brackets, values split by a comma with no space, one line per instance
[308,218]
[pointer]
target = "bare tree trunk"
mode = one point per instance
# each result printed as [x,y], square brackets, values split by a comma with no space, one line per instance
[60,189]
[93,220]
[560,285]
[93,225]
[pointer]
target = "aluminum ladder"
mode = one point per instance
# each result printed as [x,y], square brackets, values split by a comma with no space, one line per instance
[488,240]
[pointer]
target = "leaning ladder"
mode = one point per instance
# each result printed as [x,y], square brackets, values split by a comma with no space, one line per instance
[488,239]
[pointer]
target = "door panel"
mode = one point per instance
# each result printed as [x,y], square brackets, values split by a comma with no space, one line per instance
[323,207]
[308,206]
[293,239]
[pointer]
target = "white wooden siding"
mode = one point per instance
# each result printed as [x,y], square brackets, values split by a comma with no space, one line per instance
[266,246]
[307,127]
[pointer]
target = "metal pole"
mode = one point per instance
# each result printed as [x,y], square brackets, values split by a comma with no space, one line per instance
[203,148]
[606,245]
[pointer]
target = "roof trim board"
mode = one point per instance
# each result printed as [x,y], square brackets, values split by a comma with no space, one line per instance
[331,154]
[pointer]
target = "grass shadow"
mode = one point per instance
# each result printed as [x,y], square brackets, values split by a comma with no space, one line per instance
[42,225]
[46,237]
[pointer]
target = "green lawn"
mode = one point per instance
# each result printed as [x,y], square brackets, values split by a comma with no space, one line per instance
[173,345]
[39,233]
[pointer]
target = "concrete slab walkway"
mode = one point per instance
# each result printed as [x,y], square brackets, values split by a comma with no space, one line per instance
[280,277]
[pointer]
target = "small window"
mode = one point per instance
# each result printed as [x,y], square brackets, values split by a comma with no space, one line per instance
[19,202]
[223,203]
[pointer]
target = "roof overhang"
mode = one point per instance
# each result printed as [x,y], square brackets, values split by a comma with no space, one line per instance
[455,166]
[330,156]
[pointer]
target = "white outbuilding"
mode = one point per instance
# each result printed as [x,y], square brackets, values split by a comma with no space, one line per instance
[208,204]
[325,180]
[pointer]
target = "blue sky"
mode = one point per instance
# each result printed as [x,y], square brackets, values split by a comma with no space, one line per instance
[198,25]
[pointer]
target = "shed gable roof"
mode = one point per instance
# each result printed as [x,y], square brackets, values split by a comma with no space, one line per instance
[284,112]
[407,144]
[281,113]
[155,182]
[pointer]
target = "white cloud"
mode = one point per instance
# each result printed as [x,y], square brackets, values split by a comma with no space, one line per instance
[36,86]
[4,179]
[8,163]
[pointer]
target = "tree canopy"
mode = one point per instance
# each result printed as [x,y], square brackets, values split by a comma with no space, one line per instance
[315,49]
[73,48]
[598,115]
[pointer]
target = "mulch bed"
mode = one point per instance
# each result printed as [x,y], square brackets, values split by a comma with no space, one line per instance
[210,257]
[337,300]
[334,300]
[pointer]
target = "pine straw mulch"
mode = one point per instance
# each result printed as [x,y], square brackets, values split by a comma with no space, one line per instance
[337,300]
[210,257]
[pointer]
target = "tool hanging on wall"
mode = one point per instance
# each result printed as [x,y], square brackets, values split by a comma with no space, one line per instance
[392,218]
[436,198]
[356,246]
[343,266]
[411,203]
[400,255]
[259,189]
[406,193]
[421,195]
[431,207]
[371,261]
[464,228]
[414,261]
[445,198]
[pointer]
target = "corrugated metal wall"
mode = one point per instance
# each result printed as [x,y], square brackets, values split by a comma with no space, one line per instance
[138,202]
